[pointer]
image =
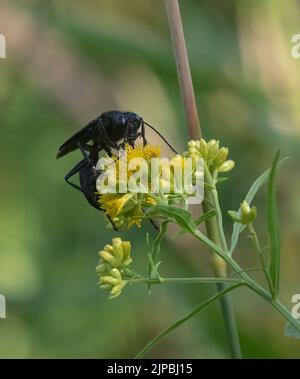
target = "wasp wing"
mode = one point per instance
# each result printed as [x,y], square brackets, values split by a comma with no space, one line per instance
[84,135]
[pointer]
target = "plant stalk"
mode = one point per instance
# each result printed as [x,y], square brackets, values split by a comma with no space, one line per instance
[200,280]
[193,125]
[183,69]
[219,268]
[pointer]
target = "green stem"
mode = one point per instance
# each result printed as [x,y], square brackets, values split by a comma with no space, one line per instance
[268,297]
[214,230]
[153,256]
[176,324]
[258,253]
[187,280]
[250,283]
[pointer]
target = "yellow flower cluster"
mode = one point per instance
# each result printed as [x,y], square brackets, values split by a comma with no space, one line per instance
[214,156]
[126,209]
[109,269]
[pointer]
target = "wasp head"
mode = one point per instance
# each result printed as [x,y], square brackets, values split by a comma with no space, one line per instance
[134,122]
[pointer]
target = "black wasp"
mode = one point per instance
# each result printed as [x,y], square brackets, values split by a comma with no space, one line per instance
[110,130]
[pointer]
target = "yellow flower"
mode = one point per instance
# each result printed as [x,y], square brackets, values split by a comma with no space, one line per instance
[110,266]
[117,254]
[126,209]
[147,152]
[112,282]
[114,204]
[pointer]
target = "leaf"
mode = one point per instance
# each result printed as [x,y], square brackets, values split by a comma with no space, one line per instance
[176,324]
[273,229]
[152,269]
[291,331]
[198,221]
[259,182]
[183,218]
[180,216]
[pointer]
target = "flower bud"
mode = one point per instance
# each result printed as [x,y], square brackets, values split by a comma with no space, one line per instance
[108,280]
[234,216]
[117,248]
[108,248]
[227,166]
[214,156]
[102,268]
[110,258]
[126,251]
[213,147]
[247,214]
[109,269]
[203,147]
[221,156]
[113,282]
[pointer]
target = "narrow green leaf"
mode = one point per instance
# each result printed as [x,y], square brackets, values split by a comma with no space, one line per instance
[273,229]
[176,324]
[180,216]
[204,217]
[198,221]
[259,182]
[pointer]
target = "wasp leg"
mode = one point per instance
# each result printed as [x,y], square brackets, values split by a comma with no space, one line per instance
[85,147]
[78,167]
[111,221]
[95,205]
[122,145]
[74,171]
[83,152]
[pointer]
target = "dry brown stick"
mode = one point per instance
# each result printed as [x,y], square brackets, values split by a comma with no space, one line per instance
[183,69]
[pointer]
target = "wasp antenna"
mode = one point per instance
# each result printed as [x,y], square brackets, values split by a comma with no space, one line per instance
[161,136]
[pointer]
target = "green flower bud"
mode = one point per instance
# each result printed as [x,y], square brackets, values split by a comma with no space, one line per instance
[227,166]
[235,216]
[213,147]
[221,156]
[214,156]
[247,214]
[203,147]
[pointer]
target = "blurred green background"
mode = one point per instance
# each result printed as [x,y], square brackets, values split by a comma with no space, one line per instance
[67,62]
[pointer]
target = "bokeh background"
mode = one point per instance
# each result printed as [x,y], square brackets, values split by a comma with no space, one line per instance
[67,62]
